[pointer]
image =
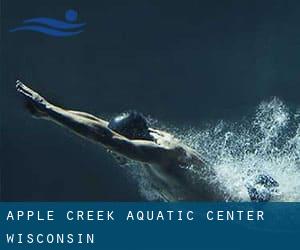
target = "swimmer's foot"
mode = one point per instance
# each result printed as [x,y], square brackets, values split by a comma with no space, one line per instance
[34,103]
[264,188]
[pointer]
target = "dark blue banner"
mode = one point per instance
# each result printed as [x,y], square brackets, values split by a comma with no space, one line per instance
[149,225]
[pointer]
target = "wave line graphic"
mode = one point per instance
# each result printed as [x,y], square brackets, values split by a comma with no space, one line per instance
[47,31]
[53,23]
[53,27]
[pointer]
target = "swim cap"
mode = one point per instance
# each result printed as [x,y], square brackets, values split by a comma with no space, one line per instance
[132,125]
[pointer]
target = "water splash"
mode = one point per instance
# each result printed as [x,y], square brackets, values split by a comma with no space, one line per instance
[267,142]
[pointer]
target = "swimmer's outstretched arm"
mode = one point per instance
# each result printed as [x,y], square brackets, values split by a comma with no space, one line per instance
[95,129]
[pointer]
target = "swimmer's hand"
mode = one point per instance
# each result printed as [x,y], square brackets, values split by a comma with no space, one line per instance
[35,103]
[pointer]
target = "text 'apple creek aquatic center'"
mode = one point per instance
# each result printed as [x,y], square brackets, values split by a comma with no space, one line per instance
[149,215]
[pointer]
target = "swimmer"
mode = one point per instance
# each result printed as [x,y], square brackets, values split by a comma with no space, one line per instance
[129,136]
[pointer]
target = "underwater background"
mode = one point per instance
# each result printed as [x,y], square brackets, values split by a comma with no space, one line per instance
[222,75]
